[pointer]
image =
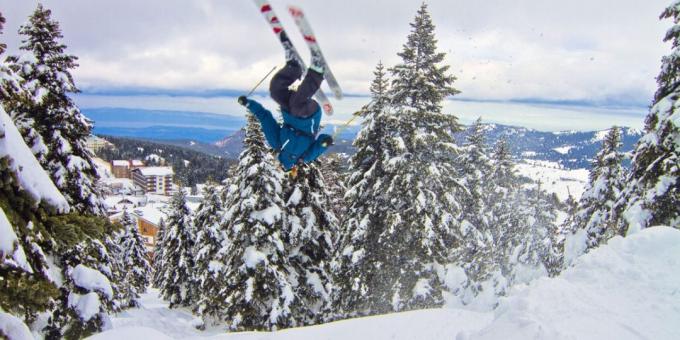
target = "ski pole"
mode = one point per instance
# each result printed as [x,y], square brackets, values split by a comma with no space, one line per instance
[354,116]
[261,81]
[344,126]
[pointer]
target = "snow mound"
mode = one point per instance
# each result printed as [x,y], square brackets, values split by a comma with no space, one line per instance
[14,328]
[627,289]
[133,332]
[92,280]
[86,305]
[32,177]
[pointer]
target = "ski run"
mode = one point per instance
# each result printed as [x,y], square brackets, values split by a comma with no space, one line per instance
[628,289]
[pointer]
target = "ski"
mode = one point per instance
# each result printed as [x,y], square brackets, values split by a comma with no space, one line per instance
[268,12]
[310,38]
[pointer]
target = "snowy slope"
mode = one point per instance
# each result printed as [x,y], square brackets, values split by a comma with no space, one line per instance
[628,289]
[555,178]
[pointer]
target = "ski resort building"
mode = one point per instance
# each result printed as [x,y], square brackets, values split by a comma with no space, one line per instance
[154,179]
[94,143]
[123,168]
[148,218]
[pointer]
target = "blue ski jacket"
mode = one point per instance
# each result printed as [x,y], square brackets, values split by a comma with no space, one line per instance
[295,140]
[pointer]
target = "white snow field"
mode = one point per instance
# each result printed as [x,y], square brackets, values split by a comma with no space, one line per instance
[554,178]
[627,289]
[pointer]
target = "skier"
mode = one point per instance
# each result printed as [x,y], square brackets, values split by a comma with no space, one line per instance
[296,140]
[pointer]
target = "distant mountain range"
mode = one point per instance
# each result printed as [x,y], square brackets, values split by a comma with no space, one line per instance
[223,135]
[571,149]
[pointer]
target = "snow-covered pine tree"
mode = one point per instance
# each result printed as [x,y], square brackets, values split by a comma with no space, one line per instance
[57,264]
[120,287]
[419,223]
[476,252]
[652,193]
[502,197]
[595,209]
[14,96]
[254,290]
[332,168]
[45,70]
[534,254]
[669,76]
[87,289]
[211,242]
[356,259]
[309,231]
[158,270]
[27,196]
[420,82]
[177,262]
[133,259]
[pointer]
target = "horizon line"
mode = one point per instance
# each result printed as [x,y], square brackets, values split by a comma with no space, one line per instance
[232,93]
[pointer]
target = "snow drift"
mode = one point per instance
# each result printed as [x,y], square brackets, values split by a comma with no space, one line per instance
[627,289]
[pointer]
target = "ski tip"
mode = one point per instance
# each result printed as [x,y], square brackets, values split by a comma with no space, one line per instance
[296,12]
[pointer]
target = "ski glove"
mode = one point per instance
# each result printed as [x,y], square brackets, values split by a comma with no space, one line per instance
[243,100]
[326,141]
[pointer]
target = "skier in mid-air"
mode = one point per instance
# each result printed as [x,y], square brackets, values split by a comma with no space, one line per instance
[296,140]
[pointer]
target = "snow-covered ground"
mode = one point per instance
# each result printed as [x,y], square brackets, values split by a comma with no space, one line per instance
[554,178]
[627,289]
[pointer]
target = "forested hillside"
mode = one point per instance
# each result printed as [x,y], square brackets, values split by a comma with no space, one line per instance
[191,167]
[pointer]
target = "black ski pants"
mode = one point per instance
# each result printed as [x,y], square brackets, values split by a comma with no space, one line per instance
[298,103]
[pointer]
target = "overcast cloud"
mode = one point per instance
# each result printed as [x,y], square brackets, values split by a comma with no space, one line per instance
[589,50]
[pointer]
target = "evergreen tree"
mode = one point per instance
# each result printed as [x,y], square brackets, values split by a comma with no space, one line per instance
[356,258]
[27,287]
[134,260]
[45,70]
[669,76]
[534,254]
[254,290]
[503,199]
[332,168]
[652,192]
[309,229]
[596,206]
[14,95]
[420,82]
[177,262]
[87,293]
[421,225]
[158,269]
[51,296]
[211,242]
[476,251]
[418,225]
[120,286]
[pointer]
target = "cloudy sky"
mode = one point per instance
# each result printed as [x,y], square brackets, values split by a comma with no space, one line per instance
[603,54]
